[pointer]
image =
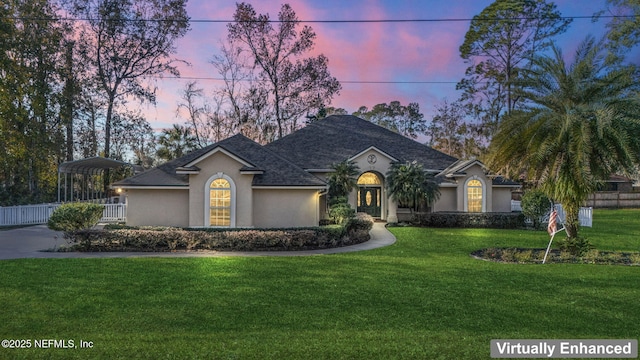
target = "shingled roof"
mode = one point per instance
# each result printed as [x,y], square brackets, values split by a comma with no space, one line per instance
[458,169]
[271,168]
[339,137]
[285,161]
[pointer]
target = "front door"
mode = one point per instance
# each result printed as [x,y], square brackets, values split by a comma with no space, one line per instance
[369,200]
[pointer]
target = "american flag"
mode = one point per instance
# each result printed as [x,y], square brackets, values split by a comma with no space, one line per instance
[551,229]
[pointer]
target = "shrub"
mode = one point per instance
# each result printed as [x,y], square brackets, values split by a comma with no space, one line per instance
[535,204]
[508,255]
[523,256]
[566,256]
[361,222]
[537,255]
[341,212]
[333,200]
[358,228]
[591,256]
[612,257]
[470,220]
[577,246]
[75,216]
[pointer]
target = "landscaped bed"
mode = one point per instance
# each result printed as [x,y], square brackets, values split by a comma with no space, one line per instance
[615,227]
[78,220]
[162,239]
[536,256]
[422,298]
[177,239]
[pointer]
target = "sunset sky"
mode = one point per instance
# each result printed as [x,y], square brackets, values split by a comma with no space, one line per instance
[392,52]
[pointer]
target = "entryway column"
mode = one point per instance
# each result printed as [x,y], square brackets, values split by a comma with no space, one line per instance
[392,213]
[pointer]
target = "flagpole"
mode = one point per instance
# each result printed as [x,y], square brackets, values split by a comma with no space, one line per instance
[548,247]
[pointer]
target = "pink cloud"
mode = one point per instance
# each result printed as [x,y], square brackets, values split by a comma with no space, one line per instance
[356,51]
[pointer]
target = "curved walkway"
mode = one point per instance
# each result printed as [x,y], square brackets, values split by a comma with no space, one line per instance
[33,241]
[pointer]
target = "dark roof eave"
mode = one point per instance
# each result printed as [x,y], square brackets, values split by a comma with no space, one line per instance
[278,186]
[149,186]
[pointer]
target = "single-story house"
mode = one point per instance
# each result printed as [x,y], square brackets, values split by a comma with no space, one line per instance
[239,183]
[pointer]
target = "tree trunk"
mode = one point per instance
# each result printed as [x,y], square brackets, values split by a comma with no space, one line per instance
[68,101]
[277,109]
[571,222]
[107,143]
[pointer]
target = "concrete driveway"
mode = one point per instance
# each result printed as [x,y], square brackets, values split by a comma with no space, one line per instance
[28,242]
[34,241]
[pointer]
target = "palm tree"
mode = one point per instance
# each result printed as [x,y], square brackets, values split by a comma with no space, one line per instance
[576,130]
[343,179]
[411,186]
[175,142]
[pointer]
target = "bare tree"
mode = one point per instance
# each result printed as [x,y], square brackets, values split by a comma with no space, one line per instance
[245,101]
[126,42]
[295,84]
[231,64]
[220,125]
[133,138]
[196,113]
[452,132]
[206,120]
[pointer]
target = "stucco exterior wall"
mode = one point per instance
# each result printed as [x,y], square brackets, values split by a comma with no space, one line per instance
[448,199]
[285,208]
[157,207]
[381,165]
[502,199]
[220,163]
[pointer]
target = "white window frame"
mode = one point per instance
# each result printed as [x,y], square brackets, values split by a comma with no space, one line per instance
[466,193]
[207,200]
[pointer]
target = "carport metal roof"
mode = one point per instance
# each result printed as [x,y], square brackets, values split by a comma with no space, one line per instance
[90,166]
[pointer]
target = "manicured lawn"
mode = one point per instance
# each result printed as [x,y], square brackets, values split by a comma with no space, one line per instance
[422,298]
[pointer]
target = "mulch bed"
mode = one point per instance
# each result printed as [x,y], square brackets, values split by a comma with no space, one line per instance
[535,256]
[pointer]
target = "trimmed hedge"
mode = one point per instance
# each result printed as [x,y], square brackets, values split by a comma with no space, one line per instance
[470,220]
[172,239]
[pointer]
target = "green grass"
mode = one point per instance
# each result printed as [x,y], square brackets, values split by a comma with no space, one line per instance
[422,298]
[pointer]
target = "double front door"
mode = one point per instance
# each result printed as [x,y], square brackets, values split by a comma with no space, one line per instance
[369,200]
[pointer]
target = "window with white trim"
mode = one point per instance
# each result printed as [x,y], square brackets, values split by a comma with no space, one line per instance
[220,209]
[474,196]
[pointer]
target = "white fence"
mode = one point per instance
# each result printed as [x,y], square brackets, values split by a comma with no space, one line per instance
[585,216]
[516,205]
[39,214]
[114,213]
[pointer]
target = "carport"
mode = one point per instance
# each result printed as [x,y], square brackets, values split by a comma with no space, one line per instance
[83,178]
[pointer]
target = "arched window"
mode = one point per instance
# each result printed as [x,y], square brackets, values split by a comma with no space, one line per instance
[369,178]
[220,202]
[474,196]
